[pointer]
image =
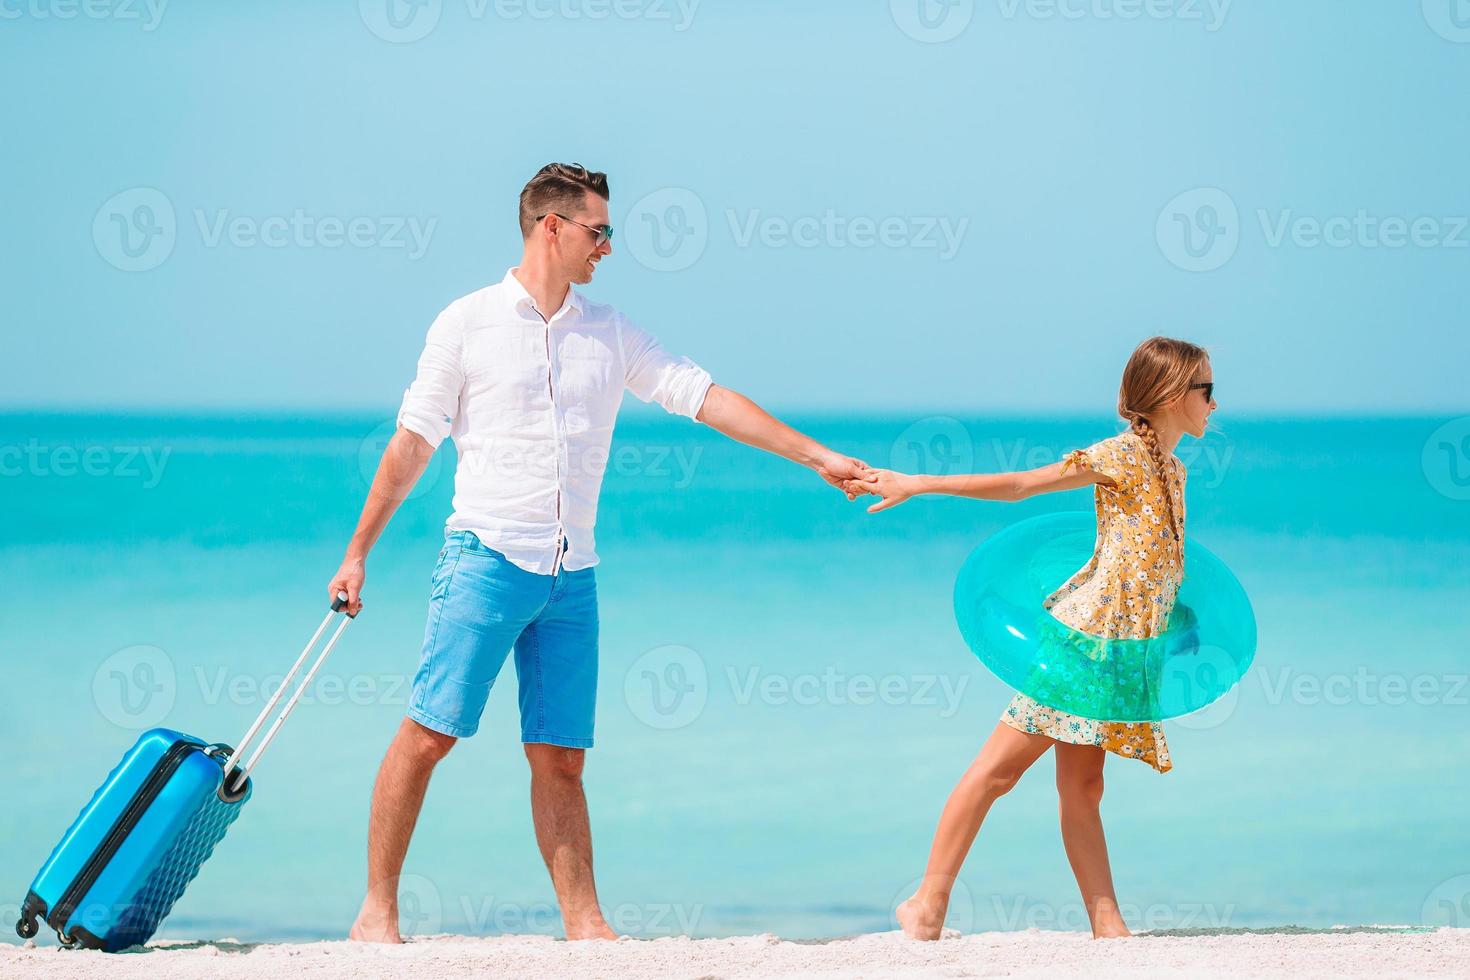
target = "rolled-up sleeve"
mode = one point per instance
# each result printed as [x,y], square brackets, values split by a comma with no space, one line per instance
[654,375]
[431,403]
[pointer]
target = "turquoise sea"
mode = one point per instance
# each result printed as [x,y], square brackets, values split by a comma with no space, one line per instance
[785,700]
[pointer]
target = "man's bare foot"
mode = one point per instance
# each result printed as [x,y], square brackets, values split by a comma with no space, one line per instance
[921,919]
[375,924]
[590,929]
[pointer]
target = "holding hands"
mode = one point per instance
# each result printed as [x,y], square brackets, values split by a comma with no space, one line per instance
[856,478]
[845,473]
[891,486]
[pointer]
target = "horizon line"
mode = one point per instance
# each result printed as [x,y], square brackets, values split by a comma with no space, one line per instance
[328,413]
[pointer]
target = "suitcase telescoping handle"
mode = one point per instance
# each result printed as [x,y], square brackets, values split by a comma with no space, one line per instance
[339,604]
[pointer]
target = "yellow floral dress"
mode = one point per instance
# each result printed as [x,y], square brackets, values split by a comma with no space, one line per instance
[1126,590]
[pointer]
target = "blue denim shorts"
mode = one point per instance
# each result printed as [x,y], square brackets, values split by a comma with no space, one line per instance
[481,606]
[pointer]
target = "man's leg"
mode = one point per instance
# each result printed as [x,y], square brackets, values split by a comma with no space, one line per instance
[556,661]
[478,604]
[564,833]
[398,795]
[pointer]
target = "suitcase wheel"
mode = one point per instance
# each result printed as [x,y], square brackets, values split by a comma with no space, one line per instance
[26,928]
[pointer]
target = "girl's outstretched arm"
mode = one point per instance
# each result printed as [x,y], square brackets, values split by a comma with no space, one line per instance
[895,488]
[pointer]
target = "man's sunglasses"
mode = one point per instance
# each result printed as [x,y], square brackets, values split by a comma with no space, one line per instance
[1208,386]
[603,232]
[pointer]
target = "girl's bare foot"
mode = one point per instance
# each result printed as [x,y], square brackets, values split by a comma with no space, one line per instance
[1107,921]
[921,919]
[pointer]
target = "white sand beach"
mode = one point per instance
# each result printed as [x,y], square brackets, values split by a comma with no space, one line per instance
[1368,951]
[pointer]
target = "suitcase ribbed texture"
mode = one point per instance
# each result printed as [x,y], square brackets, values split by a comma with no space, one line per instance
[175,870]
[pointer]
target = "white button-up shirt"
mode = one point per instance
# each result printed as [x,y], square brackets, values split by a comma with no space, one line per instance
[531,403]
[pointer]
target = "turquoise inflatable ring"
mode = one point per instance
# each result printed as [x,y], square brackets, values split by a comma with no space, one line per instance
[1205,650]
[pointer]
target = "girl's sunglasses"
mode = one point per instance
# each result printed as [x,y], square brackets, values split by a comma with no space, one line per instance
[1208,386]
[603,232]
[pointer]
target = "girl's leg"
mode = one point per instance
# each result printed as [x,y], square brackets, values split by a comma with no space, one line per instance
[1007,754]
[1080,790]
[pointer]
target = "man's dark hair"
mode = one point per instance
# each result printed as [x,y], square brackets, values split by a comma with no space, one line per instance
[558,187]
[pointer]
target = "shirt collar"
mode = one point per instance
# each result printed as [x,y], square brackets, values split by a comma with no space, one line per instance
[522,301]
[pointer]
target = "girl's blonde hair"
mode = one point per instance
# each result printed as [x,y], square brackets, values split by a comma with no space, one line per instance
[1160,370]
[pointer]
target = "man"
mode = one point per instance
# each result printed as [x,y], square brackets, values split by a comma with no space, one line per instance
[527,376]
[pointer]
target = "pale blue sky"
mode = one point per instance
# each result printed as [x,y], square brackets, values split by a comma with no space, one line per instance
[843,216]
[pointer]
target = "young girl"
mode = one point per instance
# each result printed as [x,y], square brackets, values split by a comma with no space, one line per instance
[1126,590]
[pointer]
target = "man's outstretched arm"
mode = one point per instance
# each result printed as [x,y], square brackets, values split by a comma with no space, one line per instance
[403,463]
[744,421]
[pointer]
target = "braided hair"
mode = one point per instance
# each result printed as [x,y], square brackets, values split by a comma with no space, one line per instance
[1160,370]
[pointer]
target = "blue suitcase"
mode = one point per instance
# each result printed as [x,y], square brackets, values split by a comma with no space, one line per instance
[153,822]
